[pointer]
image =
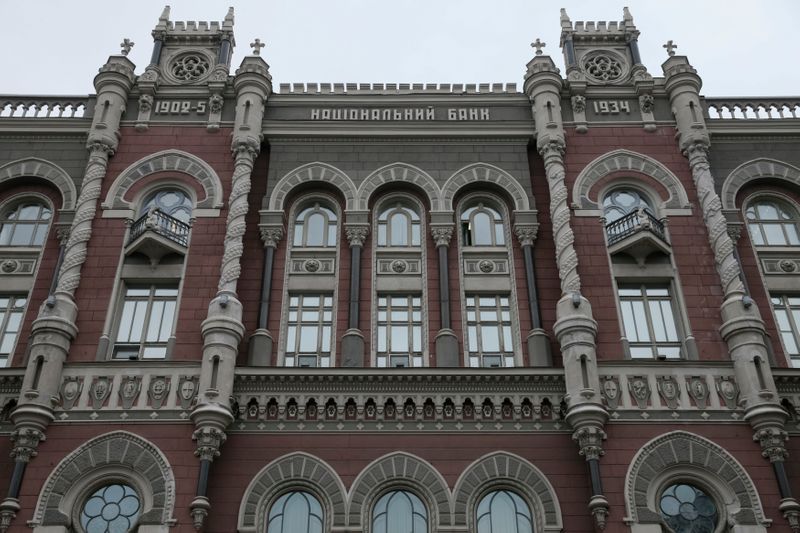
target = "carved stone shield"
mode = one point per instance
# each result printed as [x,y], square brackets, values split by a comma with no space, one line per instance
[668,389]
[71,389]
[640,390]
[99,391]
[610,389]
[728,390]
[187,390]
[698,389]
[129,389]
[158,391]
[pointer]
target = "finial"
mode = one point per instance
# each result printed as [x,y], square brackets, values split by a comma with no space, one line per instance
[126,45]
[564,16]
[670,46]
[257,45]
[538,44]
[164,15]
[626,15]
[229,16]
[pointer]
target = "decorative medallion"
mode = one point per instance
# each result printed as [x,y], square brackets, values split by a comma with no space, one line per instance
[129,389]
[291,410]
[99,391]
[603,66]
[71,389]
[669,391]
[187,390]
[486,266]
[399,266]
[158,391]
[190,66]
[610,391]
[728,390]
[640,390]
[786,265]
[9,266]
[312,265]
[698,389]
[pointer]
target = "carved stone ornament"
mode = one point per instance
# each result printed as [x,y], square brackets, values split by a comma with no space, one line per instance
[215,103]
[773,443]
[25,441]
[735,231]
[190,67]
[698,389]
[668,389]
[399,266]
[526,234]
[646,103]
[610,391]
[590,442]
[579,103]
[62,234]
[209,441]
[787,265]
[150,75]
[603,66]
[187,391]
[640,390]
[312,265]
[271,235]
[442,235]
[727,390]
[129,389]
[71,389]
[9,265]
[486,266]
[99,391]
[158,391]
[145,103]
[356,235]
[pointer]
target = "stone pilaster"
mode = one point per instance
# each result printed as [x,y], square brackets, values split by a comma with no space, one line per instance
[538,343]
[446,343]
[260,347]
[353,338]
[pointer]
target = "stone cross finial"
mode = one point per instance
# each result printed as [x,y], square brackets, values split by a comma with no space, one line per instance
[257,45]
[670,46]
[126,45]
[538,44]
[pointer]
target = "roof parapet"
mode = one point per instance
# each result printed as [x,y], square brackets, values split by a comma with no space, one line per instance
[398,88]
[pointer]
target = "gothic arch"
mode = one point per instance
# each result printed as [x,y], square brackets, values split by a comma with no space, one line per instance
[167,160]
[313,172]
[680,455]
[626,160]
[40,168]
[117,454]
[506,470]
[401,470]
[295,471]
[483,172]
[753,170]
[399,172]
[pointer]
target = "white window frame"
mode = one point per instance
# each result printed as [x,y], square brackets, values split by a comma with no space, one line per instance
[385,327]
[645,299]
[506,355]
[151,298]
[293,333]
[5,320]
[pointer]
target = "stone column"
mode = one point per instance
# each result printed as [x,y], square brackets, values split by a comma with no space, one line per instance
[261,341]
[353,338]
[742,327]
[446,342]
[54,328]
[575,328]
[223,329]
[538,342]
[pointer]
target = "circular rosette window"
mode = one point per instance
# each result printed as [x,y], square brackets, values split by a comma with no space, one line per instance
[687,509]
[111,509]
[190,67]
[604,66]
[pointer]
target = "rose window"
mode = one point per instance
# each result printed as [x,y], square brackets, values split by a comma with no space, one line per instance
[687,509]
[190,67]
[603,67]
[111,509]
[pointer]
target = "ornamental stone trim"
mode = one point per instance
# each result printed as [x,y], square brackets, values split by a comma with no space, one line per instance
[166,161]
[484,173]
[313,172]
[505,469]
[402,173]
[33,167]
[760,168]
[298,471]
[121,451]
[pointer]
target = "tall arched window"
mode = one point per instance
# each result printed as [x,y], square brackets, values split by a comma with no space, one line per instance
[295,512]
[315,226]
[398,225]
[172,202]
[482,226]
[503,511]
[25,224]
[772,223]
[399,511]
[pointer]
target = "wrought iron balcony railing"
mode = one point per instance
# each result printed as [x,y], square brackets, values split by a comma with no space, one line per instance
[163,224]
[634,222]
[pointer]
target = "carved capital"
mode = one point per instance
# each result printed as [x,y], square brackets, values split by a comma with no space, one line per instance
[442,235]
[599,508]
[8,511]
[590,442]
[551,147]
[696,150]
[735,231]
[356,234]
[209,441]
[773,443]
[526,233]
[62,233]
[271,235]
[99,149]
[25,442]
[245,147]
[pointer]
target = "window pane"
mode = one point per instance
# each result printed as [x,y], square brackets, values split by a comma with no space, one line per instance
[641,321]
[791,232]
[154,326]
[774,234]
[166,321]
[308,339]
[755,234]
[382,340]
[417,344]
[399,339]
[490,339]
[326,339]
[415,235]
[472,334]
[628,321]
[291,333]
[399,229]
[137,325]
[315,230]
[382,234]
[499,237]
[669,321]
[657,321]
[481,229]
[23,235]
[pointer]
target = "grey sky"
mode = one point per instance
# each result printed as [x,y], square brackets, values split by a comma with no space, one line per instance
[740,47]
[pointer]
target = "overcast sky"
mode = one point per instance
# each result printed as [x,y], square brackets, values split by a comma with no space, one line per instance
[740,48]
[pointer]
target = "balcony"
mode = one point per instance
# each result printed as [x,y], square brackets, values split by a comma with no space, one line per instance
[156,234]
[638,234]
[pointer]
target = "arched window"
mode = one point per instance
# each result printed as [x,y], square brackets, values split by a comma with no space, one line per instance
[621,202]
[398,225]
[399,511]
[503,511]
[687,509]
[772,223]
[315,226]
[482,226]
[172,202]
[25,224]
[111,509]
[295,512]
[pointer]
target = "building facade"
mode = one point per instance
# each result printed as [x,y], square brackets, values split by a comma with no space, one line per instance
[566,306]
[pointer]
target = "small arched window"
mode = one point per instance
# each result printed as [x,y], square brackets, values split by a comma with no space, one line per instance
[503,511]
[398,225]
[111,509]
[172,202]
[621,202]
[772,223]
[295,512]
[399,511]
[315,226]
[25,224]
[687,509]
[482,226]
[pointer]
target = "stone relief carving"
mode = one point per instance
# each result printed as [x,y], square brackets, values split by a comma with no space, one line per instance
[189,67]
[728,391]
[158,391]
[640,390]
[610,391]
[71,389]
[187,390]
[698,390]
[99,391]
[129,389]
[669,390]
